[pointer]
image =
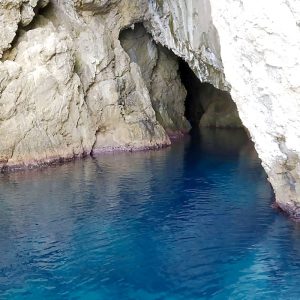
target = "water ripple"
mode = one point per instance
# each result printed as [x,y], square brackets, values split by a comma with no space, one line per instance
[189,222]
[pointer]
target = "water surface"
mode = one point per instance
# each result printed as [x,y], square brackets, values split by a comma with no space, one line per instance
[189,222]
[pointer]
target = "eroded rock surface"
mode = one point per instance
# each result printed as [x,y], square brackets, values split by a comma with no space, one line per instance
[256,48]
[186,27]
[68,87]
[160,71]
[15,14]
[219,109]
[43,115]
[260,51]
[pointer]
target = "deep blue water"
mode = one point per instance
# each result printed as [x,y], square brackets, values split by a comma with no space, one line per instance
[193,221]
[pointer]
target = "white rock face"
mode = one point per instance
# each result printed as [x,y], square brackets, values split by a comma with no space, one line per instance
[15,13]
[68,88]
[260,46]
[186,27]
[43,115]
[256,45]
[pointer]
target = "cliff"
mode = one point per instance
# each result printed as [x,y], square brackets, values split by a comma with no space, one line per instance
[73,81]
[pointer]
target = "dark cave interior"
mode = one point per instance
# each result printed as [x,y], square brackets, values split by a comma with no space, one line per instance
[193,86]
[204,105]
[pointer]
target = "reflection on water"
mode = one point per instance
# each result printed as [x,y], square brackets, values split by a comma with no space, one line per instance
[190,221]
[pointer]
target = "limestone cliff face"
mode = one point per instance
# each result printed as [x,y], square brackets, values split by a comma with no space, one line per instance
[260,51]
[186,27]
[159,68]
[69,88]
[15,14]
[256,46]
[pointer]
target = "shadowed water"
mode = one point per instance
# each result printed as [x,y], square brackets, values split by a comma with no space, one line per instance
[189,222]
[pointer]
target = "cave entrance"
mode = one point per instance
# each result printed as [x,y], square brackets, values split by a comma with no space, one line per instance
[205,105]
[180,100]
[193,107]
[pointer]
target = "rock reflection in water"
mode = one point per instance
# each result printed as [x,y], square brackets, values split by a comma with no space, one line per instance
[185,222]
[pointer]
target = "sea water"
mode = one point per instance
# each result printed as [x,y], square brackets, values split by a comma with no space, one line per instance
[192,221]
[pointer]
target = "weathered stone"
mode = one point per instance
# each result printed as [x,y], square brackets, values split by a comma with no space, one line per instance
[260,51]
[43,115]
[186,27]
[95,6]
[67,87]
[12,14]
[219,109]
[159,68]
[168,94]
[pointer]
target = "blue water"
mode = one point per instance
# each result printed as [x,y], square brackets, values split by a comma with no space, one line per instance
[193,221]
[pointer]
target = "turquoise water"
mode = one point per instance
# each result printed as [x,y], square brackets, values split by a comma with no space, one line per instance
[193,221]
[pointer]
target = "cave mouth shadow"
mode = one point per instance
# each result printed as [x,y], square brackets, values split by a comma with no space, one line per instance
[193,86]
[202,105]
[205,105]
